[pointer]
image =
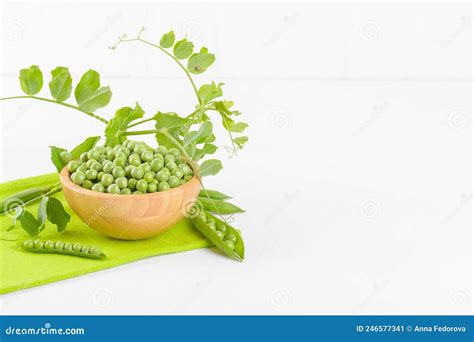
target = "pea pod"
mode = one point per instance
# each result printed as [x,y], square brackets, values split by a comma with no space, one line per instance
[222,235]
[213,194]
[13,201]
[59,247]
[219,207]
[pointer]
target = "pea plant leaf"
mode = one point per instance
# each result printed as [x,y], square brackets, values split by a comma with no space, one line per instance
[208,92]
[240,141]
[199,136]
[88,93]
[213,194]
[61,84]
[85,146]
[118,124]
[199,62]
[169,124]
[167,40]
[183,49]
[239,127]
[55,152]
[29,223]
[56,214]
[31,80]
[210,167]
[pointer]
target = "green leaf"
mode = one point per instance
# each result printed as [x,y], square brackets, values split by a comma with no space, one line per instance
[210,148]
[85,146]
[213,194]
[118,124]
[42,214]
[199,62]
[167,40]
[210,167]
[89,95]
[31,80]
[172,124]
[55,152]
[183,49]
[199,136]
[239,127]
[240,141]
[208,92]
[61,84]
[29,223]
[57,215]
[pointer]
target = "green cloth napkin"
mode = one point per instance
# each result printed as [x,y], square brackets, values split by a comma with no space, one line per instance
[20,270]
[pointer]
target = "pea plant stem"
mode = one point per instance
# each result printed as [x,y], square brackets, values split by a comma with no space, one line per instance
[141,122]
[95,116]
[139,39]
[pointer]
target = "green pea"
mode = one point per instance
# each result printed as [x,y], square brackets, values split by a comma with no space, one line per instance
[187,178]
[174,152]
[157,164]
[101,149]
[87,184]
[180,161]
[121,182]
[159,156]
[169,158]
[90,162]
[138,193]
[186,169]
[76,247]
[120,155]
[147,156]
[125,191]
[118,172]
[68,246]
[28,244]
[202,216]
[138,173]
[107,179]
[38,244]
[65,157]
[113,189]
[72,166]
[161,150]
[128,170]
[132,184]
[102,159]
[229,244]
[98,187]
[91,174]
[220,234]
[93,154]
[78,177]
[139,149]
[171,166]
[48,244]
[148,176]
[111,155]
[85,249]
[108,167]
[146,167]
[173,181]
[163,186]
[162,175]
[95,251]
[178,173]
[59,245]
[211,223]
[120,162]
[83,157]
[142,185]
[222,228]
[135,161]
[99,175]
[231,237]
[152,187]
[82,168]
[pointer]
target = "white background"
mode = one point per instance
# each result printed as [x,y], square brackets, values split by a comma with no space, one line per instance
[357,176]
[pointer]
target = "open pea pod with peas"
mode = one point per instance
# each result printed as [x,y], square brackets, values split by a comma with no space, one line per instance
[127,170]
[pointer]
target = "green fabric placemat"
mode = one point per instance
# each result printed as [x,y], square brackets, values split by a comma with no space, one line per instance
[20,270]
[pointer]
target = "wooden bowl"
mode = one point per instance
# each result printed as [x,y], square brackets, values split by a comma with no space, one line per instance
[130,217]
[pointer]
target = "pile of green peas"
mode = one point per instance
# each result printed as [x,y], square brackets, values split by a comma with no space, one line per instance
[220,229]
[59,247]
[130,168]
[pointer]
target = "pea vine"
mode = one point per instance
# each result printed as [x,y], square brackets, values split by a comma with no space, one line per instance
[193,133]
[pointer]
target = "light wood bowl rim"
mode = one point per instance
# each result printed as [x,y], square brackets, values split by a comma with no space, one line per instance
[66,181]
